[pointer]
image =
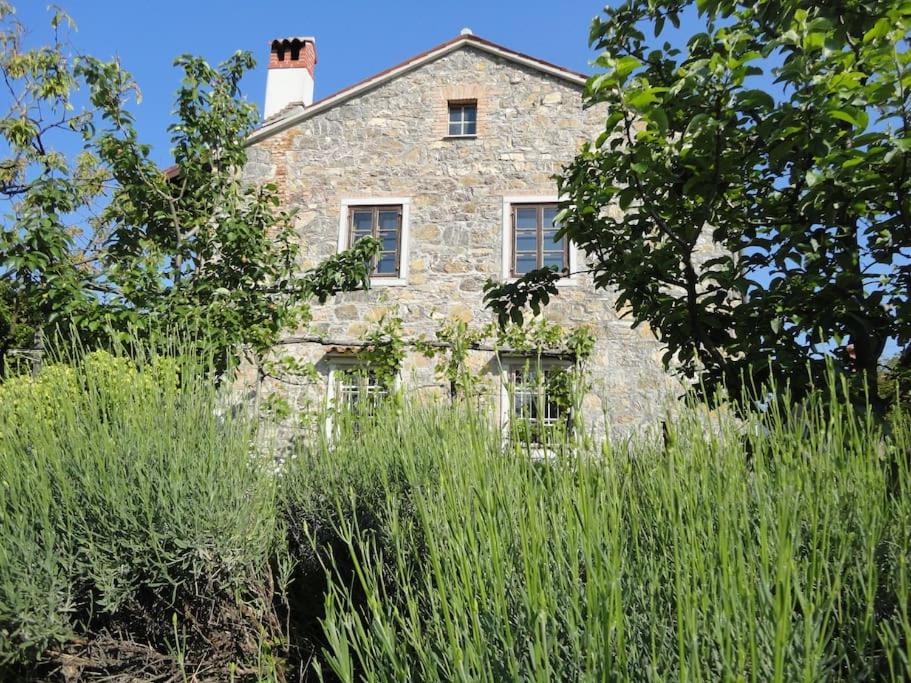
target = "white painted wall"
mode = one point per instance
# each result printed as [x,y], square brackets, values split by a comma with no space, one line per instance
[287,86]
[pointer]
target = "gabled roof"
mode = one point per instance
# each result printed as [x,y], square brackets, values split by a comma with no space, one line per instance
[281,122]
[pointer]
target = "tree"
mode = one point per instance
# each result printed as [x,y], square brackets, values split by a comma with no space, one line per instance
[41,273]
[749,195]
[109,244]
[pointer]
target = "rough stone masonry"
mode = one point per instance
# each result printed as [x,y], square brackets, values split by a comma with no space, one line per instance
[390,141]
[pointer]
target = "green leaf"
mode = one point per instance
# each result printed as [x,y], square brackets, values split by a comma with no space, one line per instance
[880,30]
[756,99]
[813,177]
[626,65]
[659,117]
[842,115]
[626,197]
[643,98]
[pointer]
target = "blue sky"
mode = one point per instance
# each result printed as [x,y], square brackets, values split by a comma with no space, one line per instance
[354,38]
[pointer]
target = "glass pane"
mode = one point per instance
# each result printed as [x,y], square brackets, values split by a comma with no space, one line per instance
[525,404]
[348,397]
[348,388]
[386,264]
[526,263]
[389,220]
[455,114]
[455,128]
[550,238]
[470,128]
[554,259]
[552,411]
[550,214]
[390,240]
[527,241]
[470,113]
[363,221]
[526,217]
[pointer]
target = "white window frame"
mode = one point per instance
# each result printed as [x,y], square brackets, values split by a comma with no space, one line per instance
[343,234]
[508,365]
[462,104]
[336,364]
[570,280]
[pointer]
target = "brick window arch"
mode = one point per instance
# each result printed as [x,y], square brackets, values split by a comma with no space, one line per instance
[478,95]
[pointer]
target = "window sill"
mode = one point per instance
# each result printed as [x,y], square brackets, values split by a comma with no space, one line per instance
[388,282]
[536,452]
[571,281]
[460,137]
[541,453]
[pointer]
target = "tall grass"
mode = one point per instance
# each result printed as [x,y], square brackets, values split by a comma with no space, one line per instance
[130,508]
[773,550]
[144,535]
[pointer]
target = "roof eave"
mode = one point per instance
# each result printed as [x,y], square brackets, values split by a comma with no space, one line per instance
[273,127]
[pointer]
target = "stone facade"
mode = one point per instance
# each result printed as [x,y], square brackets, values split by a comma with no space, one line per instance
[390,142]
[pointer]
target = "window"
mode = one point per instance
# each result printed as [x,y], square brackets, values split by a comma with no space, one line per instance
[535,415]
[463,118]
[385,224]
[355,393]
[358,389]
[534,240]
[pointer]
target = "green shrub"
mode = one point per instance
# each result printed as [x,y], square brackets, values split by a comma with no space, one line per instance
[767,550]
[128,501]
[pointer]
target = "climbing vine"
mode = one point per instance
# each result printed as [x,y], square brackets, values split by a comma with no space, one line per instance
[454,340]
[535,336]
[289,371]
[384,349]
[563,385]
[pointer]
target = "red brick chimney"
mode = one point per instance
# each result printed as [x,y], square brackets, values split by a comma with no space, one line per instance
[290,76]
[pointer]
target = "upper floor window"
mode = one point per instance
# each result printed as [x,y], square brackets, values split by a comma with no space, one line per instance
[385,224]
[463,118]
[534,239]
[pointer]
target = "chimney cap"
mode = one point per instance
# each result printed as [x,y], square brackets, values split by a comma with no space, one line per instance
[291,39]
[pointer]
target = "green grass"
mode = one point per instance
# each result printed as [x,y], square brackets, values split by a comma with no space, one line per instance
[135,508]
[781,555]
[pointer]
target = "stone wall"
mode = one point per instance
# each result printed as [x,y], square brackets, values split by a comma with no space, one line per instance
[389,142]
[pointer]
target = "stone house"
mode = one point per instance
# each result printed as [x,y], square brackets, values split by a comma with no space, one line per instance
[448,158]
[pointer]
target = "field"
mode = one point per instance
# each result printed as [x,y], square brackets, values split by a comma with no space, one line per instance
[146,533]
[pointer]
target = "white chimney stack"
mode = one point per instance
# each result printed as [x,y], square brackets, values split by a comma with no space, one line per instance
[290,76]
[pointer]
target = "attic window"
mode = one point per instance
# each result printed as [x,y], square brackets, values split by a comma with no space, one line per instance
[463,118]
